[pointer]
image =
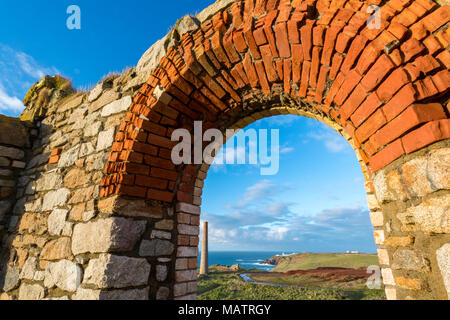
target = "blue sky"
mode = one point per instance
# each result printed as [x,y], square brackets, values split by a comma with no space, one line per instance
[315,203]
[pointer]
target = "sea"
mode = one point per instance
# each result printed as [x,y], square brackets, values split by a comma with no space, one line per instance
[246,260]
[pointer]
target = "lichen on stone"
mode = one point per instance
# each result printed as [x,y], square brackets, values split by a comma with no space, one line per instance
[41,93]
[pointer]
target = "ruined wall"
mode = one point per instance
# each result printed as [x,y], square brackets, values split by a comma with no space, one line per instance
[107,215]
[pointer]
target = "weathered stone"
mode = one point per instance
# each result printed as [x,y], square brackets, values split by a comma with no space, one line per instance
[29,269]
[76,214]
[127,295]
[55,199]
[84,194]
[383,257]
[75,178]
[110,271]
[107,97]
[438,170]
[379,237]
[4,162]
[69,157]
[188,208]
[163,293]
[31,292]
[105,139]
[187,24]
[86,149]
[431,216]
[388,277]
[33,223]
[407,283]
[116,106]
[63,274]
[93,129]
[13,132]
[377,218]
[184,252]
[156,247]
[56,221]
[443,258]
[125,207]
[161,273]
[373,203]
[12,279]
[4,207]
[49,181]
[213,9]
[406,259]
[414,177]
[12,153]
[56,250]
[399,241]
[161,235]
[6,173]
[106,235]
[96,92]
[185,229]
[186,275]
[164,225]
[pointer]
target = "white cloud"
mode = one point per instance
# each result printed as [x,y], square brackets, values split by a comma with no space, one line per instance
[332,141]
[286,150]
[19,71]
[8,103]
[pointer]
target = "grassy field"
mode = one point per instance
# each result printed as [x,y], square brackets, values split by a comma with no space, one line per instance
[222,284]
[307,261]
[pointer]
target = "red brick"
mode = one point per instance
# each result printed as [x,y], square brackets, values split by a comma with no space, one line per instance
[260,37]
[158,195]
[353,102]
[376,74]
[366,109]
[268,21]
[330,40]
[305,78]
[164,174]
[409,119]
[248,33]
[268,63]
[306,34]
[367,58]
[250,71]
[403,99]
[297,59]
[137,168]
[406,17]
[132,191]
[239,41]
[425,88]
[437,18]
[287,70]
[398,30]
[441,80]
[342,42]
[293,32]
[156,183]
[282,40]
[334,88]
[315,64]
[318,35]
[321,83]
[368,128]
[427,4]
[392,84]
[229,47]
[444,58]
[357,46]
[351,80]
[411,48]
[432,44]
[386,156]
[336,65]
[53,159]
[430,133]
[262,77]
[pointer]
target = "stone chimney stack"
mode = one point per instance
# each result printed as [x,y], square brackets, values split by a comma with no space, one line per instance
[204,261]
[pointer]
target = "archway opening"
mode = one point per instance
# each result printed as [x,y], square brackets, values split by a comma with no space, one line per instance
[305,224]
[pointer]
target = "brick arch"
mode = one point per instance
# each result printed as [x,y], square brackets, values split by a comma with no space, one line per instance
[385,90]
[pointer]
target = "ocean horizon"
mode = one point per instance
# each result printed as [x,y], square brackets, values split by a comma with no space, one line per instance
[245,259]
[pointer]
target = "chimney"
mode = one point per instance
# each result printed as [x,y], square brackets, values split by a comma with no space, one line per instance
[204,261]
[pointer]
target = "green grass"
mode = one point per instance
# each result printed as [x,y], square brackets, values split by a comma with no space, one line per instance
[219,285]
[308,261]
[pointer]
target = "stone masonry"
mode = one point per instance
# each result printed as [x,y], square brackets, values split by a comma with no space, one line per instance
[92,207]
